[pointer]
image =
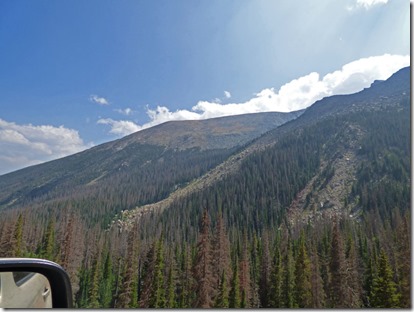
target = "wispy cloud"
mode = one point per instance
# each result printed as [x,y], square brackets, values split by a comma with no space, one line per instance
[227,94]
[366,4]
[127,111]
[294,95]
[25,145]
[98,100]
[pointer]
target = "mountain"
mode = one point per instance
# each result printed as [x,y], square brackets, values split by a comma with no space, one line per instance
[313,213]
[337,135]
[214,133]
[156,160]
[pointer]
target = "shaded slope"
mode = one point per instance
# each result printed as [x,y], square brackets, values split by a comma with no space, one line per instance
[140,168]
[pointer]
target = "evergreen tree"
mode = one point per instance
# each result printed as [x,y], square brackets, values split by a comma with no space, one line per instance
[303,276]
[128,297]
[337,285]
[276,280]
[185,287]
[147,277]
[222,299]
[264,280]
[202,270]
[107,283]
[221,253]
[94,284]
[368,280]
[384,290]
[47,250]
[403,254]
[245,281]
[318,293]
[288,283]
[171,286]
[353,285]
[18,237]
[234,297]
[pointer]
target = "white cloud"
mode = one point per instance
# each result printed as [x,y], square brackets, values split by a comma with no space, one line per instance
[294,95]
[366,4]
[127,111]
[98,100]
[227,94]
[120,127]
[304,91]
[25,145]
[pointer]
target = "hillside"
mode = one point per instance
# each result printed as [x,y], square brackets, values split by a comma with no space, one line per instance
[336,128]
[314,213]
[155,161]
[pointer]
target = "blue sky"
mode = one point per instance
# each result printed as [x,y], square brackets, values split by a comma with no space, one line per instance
[77,73]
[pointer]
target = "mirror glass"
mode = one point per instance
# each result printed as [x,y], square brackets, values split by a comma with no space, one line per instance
[24,290]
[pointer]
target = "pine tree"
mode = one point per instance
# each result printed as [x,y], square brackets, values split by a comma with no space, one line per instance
[255,272]
[276,280]
[221,253]
[222,299]
[147,277]
[94,285]
[353,292]
[107,283]
[202,270]
[303,287]
[368,280]
[318,293]
[264,280]
[127,297]
[7,241]
[234,297]
[288,283]
[185,287]
[245,281]
[337,285]
[158,299]
[384,290]
[403,253]
[47,250]
[171,286]
[18,237]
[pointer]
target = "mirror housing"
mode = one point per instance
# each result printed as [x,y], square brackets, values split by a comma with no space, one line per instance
[58,278]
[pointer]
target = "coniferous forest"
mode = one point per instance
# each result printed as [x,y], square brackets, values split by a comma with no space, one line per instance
[313,214]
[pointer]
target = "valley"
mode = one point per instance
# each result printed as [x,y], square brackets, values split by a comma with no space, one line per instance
[309,209]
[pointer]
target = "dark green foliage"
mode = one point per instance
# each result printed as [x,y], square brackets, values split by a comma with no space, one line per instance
[384,291]
[94,285]
[47,248]
[222,299]
[234,297]
[17,239]
[303,276]
[337,284]
[107,283]
[276,279]
[288,280]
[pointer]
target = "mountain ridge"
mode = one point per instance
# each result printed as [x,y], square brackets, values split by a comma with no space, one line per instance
[378,98]
[206,142]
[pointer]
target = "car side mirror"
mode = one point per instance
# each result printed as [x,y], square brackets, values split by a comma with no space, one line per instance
[31,283]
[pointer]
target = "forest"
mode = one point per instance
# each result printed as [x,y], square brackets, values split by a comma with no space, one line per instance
[263,236]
